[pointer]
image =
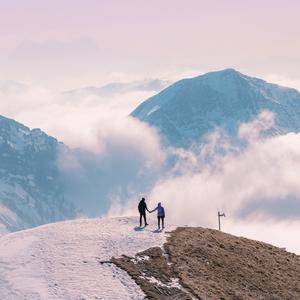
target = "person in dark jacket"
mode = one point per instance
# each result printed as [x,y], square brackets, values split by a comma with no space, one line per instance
[160,215]
[142,210]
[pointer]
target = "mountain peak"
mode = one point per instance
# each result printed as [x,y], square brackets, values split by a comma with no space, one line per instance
[189,109]
[224,75]
[225,71]
[230,70]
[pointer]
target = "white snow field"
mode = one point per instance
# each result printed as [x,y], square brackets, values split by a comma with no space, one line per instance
[62,260]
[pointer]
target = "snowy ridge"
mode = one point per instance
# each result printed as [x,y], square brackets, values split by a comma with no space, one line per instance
[63,260]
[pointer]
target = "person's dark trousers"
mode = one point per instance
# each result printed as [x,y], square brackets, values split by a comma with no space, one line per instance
[162,221]
[141,216]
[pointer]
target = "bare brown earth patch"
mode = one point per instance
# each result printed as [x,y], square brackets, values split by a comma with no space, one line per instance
[208,264]
[216,265]
[152,272]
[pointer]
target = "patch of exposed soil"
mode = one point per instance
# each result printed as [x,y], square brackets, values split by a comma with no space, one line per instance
[208,264]
[216,265]
[152,272]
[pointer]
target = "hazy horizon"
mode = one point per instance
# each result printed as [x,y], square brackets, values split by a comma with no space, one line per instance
[64,45]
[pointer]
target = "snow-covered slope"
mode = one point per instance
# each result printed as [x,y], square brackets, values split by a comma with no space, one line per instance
[31,193]
[63,260]
[190,108]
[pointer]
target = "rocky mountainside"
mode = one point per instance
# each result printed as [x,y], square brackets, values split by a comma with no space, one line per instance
[190,108]
[31,192]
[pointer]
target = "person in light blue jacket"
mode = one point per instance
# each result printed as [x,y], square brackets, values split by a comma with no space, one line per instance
[160,215]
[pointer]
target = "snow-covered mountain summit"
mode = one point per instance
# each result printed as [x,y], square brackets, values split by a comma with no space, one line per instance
[190,108]
[31,192]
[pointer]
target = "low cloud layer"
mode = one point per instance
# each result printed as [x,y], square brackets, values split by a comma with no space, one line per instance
[126,161]
[112,155]
[253,178]
[75,117]
[255,183]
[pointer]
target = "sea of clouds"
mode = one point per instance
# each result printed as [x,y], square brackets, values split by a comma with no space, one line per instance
[116,159]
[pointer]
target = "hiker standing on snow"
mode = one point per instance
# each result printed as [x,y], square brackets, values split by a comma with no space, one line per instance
[142,210]
[160,215]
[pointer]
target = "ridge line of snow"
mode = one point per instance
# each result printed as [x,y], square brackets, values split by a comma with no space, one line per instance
[61,260]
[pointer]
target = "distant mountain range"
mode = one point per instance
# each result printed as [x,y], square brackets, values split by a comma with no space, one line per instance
[114,88]
[31,192]
[190,108]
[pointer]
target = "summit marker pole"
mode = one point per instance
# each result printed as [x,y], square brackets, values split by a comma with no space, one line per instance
[219,219]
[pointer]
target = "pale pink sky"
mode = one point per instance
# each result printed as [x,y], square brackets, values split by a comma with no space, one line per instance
[90,40]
